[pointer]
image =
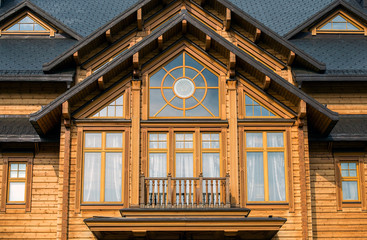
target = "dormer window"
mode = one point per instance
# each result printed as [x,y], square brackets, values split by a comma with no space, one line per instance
[27,24]
[339,22]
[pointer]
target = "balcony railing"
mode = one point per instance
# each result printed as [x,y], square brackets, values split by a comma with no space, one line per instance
[184,192]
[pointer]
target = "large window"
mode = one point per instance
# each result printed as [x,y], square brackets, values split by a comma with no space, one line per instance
[266,169]
[184,88]
[102,167]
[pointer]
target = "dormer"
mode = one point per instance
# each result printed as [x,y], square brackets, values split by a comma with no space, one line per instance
[27,23]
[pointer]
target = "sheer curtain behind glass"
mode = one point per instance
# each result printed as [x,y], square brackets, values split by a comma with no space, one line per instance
[113,177]
[92,177]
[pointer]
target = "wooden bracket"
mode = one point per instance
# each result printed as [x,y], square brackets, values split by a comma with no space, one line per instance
[208,42]
[232,65]
[257,35]
[184,26]
[302,109]
[136,71]
[109,36]
[227,21]
[76,58]
[140,19]
[267,81]
[231,83]
[101,83]
[291,57]
[160,42]
[66,113]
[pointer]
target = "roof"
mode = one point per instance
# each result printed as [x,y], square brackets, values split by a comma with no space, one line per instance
[17,129]
[348,128]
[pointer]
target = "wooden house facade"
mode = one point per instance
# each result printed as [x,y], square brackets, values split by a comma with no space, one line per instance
[187,119]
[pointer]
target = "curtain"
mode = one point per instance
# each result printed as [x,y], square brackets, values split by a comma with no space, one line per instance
[92,177]
[17,191]
[157,165]
[184,168]
[211,168]
[114,140]
[276,175]
[275,139]
[255,176]
[113,177]
[350,190]
[93,140]
[254,139]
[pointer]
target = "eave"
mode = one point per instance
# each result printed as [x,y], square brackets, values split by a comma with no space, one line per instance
[325,118]
[327,10]
[28,5]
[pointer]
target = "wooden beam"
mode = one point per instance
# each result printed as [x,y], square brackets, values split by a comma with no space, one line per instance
[208,42]
[184,26]
[65,185]
[257,35]
[291,57]
[66,110]
[227,21]
[267,81]
[101,83]
[109,36]
[160,42]
[302,109]
[136,65]
[140,19]
[76,58]
[232,64]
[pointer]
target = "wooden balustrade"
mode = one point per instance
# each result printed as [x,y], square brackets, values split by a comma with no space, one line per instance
[184,192]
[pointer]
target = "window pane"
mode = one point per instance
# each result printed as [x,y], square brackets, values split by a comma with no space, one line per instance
[93,140]
[16,191]
[344,165]
[157,165]
[254,139]
[255,176]
[22,166]
[275,139]
[111,111]
[184,165]
[276,174]
[113,177]
[350,190]
[14,166]
[21,174]
[26,27]
[211,165]
[345,173]
[13,174]
[352,166]
[38,27]
[340,26]
[352,173]
[114,140]
[92,177]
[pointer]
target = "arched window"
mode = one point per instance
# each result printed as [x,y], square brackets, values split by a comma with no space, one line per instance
[183,88]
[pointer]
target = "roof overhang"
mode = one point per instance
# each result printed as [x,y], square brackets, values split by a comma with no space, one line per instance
[323,117]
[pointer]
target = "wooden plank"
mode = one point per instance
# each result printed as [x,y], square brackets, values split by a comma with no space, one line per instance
[184,26]
[266,84]
[109,36]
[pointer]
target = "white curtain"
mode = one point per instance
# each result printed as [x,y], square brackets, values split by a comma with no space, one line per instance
[350,190]
[255,176]
[114,140]
[276,174]
[157,165]
[17,191]
[184,168]
[93,140]
[275,139]
[211,168]
[113,177]
[254,139]
[92,177]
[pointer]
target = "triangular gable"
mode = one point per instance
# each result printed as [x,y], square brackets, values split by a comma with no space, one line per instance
[340,22]
[318,112]
[105,32]
[28,7]
[328,13]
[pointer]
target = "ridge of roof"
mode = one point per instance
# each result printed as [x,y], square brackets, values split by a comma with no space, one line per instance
[166,26]
[318,65]
[27,4]
[322,13]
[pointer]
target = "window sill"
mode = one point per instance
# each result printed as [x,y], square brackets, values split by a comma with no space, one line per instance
[278,206]
[101,206]
[351,204]
[15,206]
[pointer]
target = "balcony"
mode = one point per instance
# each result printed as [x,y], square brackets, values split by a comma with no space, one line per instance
[184,192]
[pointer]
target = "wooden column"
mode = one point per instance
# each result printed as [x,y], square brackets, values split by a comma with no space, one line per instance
[233,144]
[302,170]
[135,143]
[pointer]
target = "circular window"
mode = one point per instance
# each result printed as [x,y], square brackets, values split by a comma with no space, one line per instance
[184,88]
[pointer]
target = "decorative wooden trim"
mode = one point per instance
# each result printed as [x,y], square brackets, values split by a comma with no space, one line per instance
[78,170]
[125,190]
[266,84]
[302,170]
[76,58]
[109,36]
[241,155]
[184,26]
[257,35]
[65,185]
[291,58]
[302,109]
[227,21]
[160,43]
[101,83]
[208,41]
[136,71]
[232,65]
[289,163]
[139,16]
[4,184]
[28,197]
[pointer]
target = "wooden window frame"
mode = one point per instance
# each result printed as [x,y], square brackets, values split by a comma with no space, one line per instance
[197,149]
[317,29]
[5,204]
[361,202]
[289,203]
[50,31]
[79,205]
[261,105]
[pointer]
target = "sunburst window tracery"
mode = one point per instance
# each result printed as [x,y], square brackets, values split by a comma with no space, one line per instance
[184,88]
